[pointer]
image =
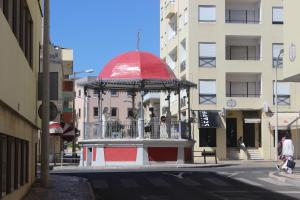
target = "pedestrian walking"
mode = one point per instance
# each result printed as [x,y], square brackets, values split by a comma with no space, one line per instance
[280,156]
[288,154]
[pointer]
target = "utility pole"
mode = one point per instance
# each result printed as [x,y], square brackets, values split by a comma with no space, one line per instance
[45,99]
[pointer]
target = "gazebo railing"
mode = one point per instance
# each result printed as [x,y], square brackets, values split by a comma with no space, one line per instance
[129,130]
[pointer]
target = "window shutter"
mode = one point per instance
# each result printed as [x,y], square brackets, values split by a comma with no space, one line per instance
[277,14]
[207,13]
[208,87]
[282,88]
[207,50]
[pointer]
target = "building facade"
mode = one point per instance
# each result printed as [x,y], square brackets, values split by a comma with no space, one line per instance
[20,30]
[291,41]
[230,50]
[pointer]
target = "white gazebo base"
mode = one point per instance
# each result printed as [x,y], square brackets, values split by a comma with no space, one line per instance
[135,152]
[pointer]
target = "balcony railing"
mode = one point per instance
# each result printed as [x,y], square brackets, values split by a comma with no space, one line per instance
[280,62]
[129,130]
[242,53]
[245,89]
[242,16]
[207,98]
[282,100]
[207,61]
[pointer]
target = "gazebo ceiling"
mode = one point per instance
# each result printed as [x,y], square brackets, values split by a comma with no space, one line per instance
[137,65]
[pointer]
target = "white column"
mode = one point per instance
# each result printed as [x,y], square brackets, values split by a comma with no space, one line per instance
[180,154]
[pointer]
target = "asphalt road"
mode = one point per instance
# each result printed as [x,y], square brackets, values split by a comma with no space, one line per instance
[188,184]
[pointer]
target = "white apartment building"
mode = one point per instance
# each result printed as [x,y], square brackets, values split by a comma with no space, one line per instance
[230,49]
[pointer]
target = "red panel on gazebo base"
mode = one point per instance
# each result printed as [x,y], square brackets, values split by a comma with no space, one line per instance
[188,154]
[137,65]
[120,154]
[162,153]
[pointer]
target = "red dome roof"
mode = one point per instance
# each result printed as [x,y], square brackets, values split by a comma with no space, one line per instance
[137,65]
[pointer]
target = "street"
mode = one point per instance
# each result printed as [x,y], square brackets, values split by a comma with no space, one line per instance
[238,183]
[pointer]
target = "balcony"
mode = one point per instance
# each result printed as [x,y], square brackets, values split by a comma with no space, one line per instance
[207,98]
[243,85]
[243,48]
[282,100]
[207,61]
[242,11]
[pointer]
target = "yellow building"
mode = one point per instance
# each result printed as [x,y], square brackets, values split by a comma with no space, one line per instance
[20,30]
[229,49]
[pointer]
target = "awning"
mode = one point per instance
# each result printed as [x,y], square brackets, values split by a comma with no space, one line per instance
[55,128]
[209,119]
[285,120]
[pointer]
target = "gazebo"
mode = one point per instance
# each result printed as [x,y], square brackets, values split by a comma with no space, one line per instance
[109,143]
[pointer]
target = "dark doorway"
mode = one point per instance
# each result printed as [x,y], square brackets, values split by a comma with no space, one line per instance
[231,132]
[249,134]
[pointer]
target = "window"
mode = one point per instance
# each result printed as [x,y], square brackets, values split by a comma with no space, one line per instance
[19,18]
[276,51]
[14,157]
[3,154]
[129,112]
[79,93]
[283,93]
[277,15]
[96,112]
[113,93]
[207,13]
[207,54]
[207,92]
[114,112]
[207,137]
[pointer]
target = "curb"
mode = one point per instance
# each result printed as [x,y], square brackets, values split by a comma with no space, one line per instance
[141,167]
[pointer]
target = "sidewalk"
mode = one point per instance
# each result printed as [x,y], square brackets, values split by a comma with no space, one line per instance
[62,187]
[232,163]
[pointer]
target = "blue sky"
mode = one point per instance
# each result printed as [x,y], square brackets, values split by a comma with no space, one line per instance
[98,30]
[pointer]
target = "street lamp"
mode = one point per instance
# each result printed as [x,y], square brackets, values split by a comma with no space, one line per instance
[276,104]
[73,108]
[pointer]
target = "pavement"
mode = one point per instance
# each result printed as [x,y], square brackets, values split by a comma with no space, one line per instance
[60,188]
